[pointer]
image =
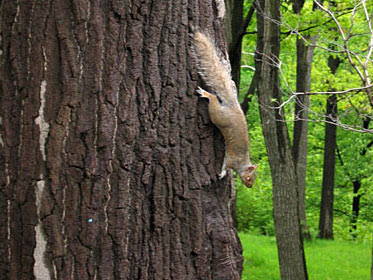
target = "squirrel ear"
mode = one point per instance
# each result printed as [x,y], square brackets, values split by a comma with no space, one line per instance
[252,167]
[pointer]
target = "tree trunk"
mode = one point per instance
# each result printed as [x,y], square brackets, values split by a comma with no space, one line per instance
[109,160]
[300,132]
[285,199]
[355,207]
[234,26]
[327,193]
[330,143]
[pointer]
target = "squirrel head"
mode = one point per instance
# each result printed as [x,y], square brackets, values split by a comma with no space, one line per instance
[248,175]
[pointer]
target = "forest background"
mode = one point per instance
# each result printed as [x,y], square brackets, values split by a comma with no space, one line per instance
[353,194]
[110,160]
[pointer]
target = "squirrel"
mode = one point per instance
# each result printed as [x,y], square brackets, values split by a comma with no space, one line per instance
[224,110]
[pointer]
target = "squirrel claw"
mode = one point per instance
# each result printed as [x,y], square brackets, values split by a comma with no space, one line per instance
[222,174]
[200,91]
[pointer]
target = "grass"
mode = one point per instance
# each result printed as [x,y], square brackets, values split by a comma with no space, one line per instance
[326,260]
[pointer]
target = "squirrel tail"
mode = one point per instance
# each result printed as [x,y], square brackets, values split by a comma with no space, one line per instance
[213,68]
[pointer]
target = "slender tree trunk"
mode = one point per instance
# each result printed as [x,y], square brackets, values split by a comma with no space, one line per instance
[355,207]
[233,27]
[285,198]
[250,93]
[109,160]
[300,133]
[330,142]
[327,194]
[253,85]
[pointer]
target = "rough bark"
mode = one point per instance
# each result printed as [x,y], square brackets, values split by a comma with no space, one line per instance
[110,159]
[285,198]
[4,209]
[327,193]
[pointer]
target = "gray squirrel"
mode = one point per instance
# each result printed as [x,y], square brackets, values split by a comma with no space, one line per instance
[224,110]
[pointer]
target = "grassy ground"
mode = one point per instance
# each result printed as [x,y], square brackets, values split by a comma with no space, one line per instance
[326,260]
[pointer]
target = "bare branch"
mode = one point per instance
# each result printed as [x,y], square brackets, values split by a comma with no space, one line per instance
[345,41]
[335,92]
[369,54]
[358,60]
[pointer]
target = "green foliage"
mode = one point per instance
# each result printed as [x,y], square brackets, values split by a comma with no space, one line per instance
[337,260]
[355,153]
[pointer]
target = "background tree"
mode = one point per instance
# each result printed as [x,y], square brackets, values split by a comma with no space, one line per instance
[300,130]
[285,198]
[330,144]
[109,161]
[233,33]
[327,193]
[254,206]
[356,178]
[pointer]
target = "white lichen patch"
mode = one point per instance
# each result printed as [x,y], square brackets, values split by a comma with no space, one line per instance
[40,120]
[40,267]
[41,270]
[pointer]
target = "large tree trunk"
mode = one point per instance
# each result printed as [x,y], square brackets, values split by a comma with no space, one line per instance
[109,161]
[285,198]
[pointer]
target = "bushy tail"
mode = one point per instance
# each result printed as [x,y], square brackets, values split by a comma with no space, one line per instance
[213,68]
